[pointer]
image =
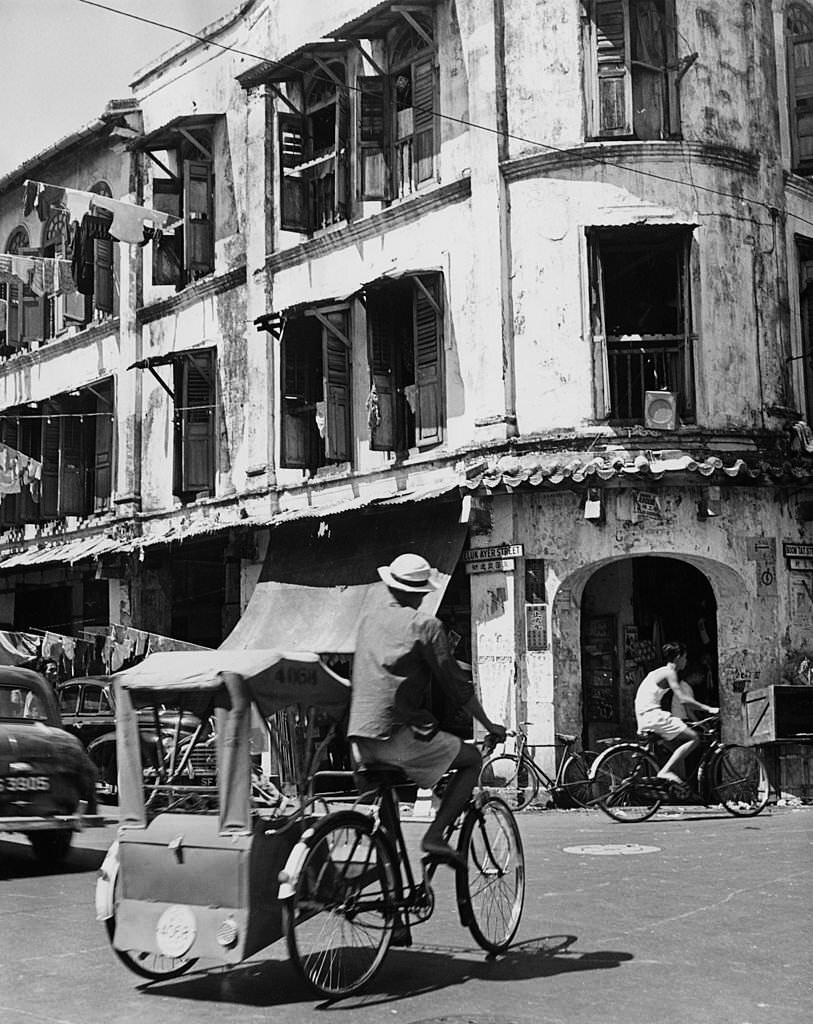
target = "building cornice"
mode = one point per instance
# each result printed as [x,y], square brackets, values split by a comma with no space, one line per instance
[58,347]
[363,230]
[191,295]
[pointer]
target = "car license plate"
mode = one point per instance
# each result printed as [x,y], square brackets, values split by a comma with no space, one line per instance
[176,931]
[25,784]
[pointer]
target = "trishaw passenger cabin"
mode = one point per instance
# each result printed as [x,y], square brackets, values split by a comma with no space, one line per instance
[179,886]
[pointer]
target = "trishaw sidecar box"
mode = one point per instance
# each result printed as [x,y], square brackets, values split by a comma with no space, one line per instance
[181,868]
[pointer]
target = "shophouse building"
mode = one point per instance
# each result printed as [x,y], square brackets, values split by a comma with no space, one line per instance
[522,285]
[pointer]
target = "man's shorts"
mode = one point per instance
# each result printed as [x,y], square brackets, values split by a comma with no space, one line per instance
[422,761]
[662,724]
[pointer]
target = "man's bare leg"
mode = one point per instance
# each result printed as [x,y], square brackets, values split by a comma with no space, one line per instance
[466,768]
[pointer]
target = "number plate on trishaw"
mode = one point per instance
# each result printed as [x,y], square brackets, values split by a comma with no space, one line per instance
[175,931]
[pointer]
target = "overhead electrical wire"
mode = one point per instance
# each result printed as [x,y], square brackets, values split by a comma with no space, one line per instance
[773,210]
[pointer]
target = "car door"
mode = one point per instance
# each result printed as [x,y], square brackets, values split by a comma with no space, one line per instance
[95,712]
[68,697]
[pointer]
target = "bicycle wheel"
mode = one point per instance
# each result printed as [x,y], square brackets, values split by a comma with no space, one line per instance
[506,776]
[619,778]
[491,891]
[739,779]
[574,789]
[154,966]
[338,924]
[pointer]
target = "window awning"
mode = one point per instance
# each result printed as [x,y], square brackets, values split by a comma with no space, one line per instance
[376,22]
[293,64]
[167,135]
[320,574]
[272,321]
[67,552]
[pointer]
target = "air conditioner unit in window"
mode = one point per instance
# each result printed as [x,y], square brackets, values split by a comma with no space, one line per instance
[660,410]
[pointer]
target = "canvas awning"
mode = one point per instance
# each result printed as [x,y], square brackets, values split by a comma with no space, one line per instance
[320,573]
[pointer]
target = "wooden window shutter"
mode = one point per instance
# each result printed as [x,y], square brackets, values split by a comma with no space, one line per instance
[423,103]
[293,182]
[30,443]
[197,422]
[103,274]
[613,92]
[374,136]
[427,327]
[167,265]
[14,314]
[601,367]
[34,309]
[9,506]
[103,449]
[382,417]
[295,429]
[341,192]
[49,484]
[198,227]
[337,390]
[71,467]
[800,82]
[673,126]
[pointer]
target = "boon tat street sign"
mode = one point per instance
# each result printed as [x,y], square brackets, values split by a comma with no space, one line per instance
[799,556]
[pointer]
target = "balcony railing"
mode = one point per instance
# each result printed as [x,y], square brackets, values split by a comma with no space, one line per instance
[641,363]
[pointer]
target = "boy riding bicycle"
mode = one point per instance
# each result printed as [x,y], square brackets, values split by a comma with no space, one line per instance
[651,717]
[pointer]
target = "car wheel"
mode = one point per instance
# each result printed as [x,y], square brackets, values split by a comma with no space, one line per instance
[51,847]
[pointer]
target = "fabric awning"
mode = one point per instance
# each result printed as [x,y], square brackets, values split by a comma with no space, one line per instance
[320,574]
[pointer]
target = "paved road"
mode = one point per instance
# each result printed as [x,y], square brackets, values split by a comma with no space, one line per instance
[712,927]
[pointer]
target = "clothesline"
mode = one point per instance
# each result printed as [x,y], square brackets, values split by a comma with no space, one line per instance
[129,219]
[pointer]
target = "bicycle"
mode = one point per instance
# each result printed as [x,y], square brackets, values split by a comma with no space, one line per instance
[517,778]
[625,786]
[352,891]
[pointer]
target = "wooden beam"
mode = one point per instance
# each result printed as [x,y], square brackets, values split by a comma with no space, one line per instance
[428,294]
[163,166]
[367,57]
[281,95]
[331,327]
[197,144]
[404,12]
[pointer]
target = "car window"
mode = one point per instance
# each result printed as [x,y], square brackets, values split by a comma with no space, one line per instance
[20,702]
[94,701]
[67,699]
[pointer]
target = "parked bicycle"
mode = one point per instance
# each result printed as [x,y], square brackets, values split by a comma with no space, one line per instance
[625,786]
[517,777]
[352,891]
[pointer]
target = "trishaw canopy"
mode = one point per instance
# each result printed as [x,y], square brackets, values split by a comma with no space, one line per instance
[225,683]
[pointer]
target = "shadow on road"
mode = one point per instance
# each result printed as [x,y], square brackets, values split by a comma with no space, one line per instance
[17,860]
[429,968]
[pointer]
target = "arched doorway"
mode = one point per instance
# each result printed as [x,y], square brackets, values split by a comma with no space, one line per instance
[629,608]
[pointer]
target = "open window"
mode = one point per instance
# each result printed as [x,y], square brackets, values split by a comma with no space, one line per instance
[405,351]
[397,136]
[316,389]
[632,69]
[805,249]
[195,393]
[641,319]
[799,41]
[183,186]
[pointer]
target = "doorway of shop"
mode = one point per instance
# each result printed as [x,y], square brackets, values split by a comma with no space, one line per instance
[629,609]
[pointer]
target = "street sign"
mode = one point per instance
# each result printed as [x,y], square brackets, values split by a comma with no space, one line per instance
[497,551]
[490,565]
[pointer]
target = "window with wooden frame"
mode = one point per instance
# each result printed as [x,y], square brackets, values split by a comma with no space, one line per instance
[633,72]
[183,186]
[799,44]
[13,291]
[641,319]
[405,353]
[316,369]
[805,359]
[195,391]
[314,145]
[397,133]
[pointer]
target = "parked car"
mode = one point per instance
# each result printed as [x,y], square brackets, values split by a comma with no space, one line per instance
[88,709]
[47,780]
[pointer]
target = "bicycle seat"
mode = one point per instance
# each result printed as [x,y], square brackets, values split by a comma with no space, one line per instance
[645,735]
[564,737]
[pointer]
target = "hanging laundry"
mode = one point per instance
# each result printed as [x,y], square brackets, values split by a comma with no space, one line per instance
[3,314]
[67,285]
[44,278]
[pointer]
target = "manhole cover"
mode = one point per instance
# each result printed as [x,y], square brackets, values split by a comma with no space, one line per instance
[612,849]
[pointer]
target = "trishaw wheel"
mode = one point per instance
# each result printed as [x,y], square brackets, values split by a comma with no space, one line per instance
[146,965]
[339,921]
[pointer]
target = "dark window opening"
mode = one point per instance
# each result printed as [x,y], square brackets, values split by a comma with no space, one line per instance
[799,41]
[195,416]
[806,317]
[641,319]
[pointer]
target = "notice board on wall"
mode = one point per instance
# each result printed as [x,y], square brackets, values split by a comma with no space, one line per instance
[600,678]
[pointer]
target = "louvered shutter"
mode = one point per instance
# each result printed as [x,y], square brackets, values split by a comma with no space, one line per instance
[423,105]
[103,449]
[383,435]
[198,227]
[295,429]
[427,334]
[49,500]
[103,274]
[800,73]
[14,322]
[33,316]
[293,182]
[613,113]
[373,136]
[197,419]
[9,504]
[71,467]
[337,390]
[602,393]
[341,192]
[166,254]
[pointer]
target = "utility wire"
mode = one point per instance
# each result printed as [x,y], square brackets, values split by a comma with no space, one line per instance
[448,117]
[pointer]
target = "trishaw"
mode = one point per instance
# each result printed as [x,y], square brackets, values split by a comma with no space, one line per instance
[221,870]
